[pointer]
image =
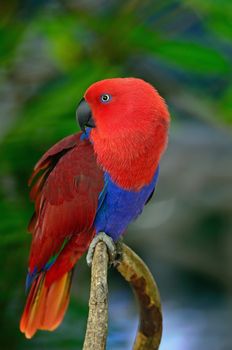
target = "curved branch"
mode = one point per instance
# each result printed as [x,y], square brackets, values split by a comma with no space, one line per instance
[97,325]
[134,270]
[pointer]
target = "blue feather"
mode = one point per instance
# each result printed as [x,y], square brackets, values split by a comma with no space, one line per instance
[30,278]
[118,207]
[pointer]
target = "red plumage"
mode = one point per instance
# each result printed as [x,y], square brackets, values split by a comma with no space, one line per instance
[131,131]
[66,198]
[128,137]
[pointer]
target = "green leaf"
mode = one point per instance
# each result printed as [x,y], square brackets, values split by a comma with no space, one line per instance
[193,56]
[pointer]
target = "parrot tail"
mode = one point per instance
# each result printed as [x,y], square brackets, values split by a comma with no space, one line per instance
[46,305]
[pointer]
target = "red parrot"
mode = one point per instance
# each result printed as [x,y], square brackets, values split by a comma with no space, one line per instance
[94,181]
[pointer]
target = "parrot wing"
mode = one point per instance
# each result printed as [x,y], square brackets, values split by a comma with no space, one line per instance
[67,184]
[66,200]
[43,167]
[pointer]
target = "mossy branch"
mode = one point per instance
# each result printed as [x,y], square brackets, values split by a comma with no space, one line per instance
[134,270]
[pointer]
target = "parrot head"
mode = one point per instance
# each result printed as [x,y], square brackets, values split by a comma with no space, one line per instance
[129,123]
[121,106]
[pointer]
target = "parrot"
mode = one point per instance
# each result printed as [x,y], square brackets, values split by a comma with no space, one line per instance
[91,185]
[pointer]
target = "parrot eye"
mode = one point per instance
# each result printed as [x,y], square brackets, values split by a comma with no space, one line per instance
[105,98]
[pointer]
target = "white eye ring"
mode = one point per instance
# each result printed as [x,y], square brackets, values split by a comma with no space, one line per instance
[105,98]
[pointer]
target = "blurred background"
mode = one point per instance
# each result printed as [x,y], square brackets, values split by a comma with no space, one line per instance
[50,52]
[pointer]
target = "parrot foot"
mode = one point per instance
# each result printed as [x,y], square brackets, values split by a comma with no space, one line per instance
[118,256]
[111,247]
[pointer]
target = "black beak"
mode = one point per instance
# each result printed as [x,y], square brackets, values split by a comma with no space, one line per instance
[84,115]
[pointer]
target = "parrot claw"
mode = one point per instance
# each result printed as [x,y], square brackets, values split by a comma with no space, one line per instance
[111,247]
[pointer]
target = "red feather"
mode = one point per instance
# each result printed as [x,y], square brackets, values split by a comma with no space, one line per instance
[46,306]
[66,199]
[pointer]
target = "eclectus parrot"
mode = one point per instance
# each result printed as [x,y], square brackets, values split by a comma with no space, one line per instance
[94,181]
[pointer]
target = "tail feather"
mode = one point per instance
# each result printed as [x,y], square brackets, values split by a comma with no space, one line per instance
[57,300]
[29,321]
[46,305]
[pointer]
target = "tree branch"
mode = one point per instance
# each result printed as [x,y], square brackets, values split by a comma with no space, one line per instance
[97,325]
[134,270]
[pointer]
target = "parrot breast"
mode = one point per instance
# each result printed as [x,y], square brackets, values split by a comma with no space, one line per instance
[118,207]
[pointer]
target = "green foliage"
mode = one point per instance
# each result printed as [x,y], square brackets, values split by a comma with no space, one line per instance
[218,16]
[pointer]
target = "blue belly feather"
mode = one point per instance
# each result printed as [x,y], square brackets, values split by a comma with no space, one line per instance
[118,207]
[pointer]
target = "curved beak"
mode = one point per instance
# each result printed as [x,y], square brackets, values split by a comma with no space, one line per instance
[84,115]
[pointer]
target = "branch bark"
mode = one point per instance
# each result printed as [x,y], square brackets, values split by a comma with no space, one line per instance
[97,325]
[134,270]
